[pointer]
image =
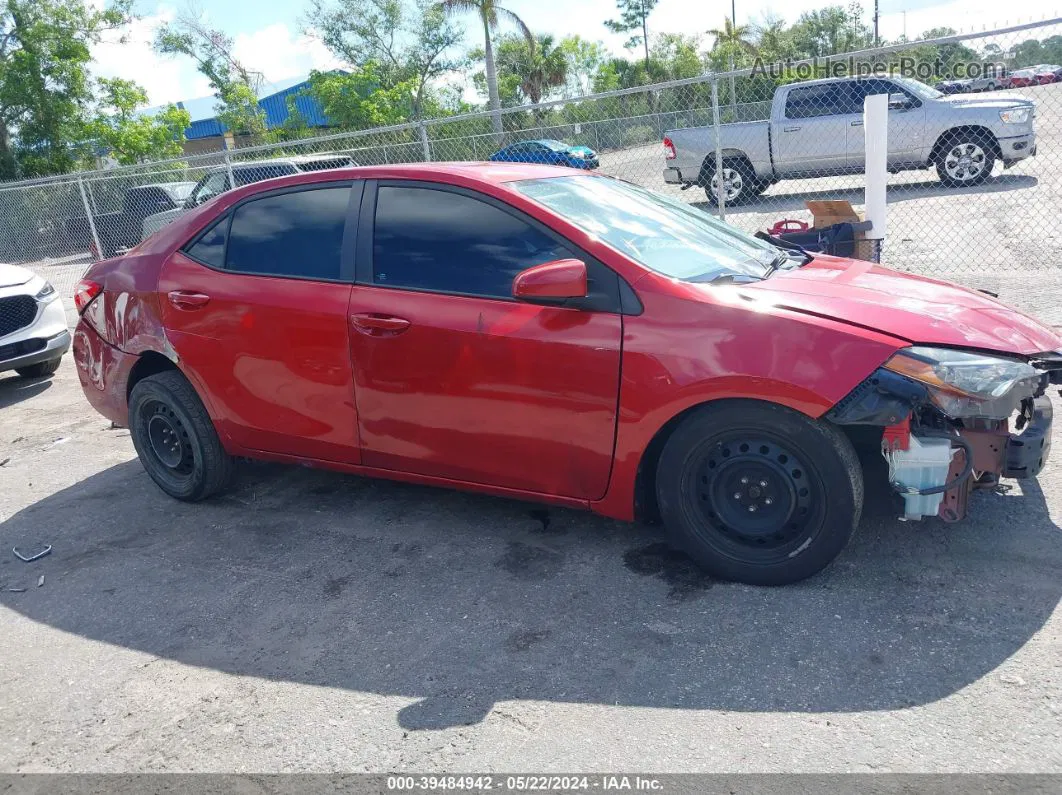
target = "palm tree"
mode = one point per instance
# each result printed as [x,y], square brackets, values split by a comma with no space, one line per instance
[540,67]
[732,42]
[489,13]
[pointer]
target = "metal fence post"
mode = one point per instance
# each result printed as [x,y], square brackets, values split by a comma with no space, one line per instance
[422,129]
[228,167]
[92,224]
[720,191]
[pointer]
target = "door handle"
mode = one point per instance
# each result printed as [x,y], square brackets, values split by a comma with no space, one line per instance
[186,300]
[375,325]
[857,124]
[790,129]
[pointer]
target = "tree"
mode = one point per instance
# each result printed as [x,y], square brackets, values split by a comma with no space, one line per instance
[677,56]
[489,13]
[584,59]
[45,89]
[732,46]
[131,137]
[235,86]
[358,100]
[830,31]
[634,16]
[537,68]
[406,43]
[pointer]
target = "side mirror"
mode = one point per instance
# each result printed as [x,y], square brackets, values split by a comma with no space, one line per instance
[551,282]
[899,101]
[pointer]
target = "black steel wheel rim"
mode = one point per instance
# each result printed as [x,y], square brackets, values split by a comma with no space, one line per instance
[756,498]
[167,437]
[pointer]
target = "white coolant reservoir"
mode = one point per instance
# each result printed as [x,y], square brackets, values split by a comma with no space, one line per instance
[924,464]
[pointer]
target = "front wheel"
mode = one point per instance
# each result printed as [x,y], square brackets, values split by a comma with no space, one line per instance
[758,493]
[965,160]
[175,438]
[40,370]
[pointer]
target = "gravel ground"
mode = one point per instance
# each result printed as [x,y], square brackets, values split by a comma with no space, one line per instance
[310,621]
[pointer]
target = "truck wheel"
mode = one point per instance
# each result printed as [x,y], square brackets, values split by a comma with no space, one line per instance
[739,182]
[966,159]
[175,438]
[758,493]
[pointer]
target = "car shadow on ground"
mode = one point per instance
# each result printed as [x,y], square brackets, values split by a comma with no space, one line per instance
[14,388]
[788,200]
[458,601]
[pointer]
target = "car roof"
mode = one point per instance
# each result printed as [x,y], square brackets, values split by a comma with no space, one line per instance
[452,172]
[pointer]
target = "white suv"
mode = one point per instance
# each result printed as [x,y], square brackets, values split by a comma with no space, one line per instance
[33,331]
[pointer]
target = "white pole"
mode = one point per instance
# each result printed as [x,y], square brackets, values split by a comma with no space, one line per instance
[720,190]
[876,132]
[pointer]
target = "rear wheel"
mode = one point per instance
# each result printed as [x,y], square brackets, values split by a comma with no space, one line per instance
[40,370]
[758,493]
[739,182]
[175,438]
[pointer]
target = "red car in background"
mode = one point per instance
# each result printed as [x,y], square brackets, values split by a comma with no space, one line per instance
[553,335]
[1023,78]
[1048,73]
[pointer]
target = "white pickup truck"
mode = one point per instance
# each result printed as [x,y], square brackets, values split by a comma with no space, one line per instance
[816,130]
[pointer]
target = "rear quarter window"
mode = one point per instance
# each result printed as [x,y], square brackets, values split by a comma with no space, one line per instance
[298,234]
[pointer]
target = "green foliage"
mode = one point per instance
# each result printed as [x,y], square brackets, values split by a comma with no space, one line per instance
[235,86]
[359,99]
[131,137]
[490,14]
[45,87]
[633,18]
[407,44]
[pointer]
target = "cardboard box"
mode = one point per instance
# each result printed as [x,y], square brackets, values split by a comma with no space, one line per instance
[838,211]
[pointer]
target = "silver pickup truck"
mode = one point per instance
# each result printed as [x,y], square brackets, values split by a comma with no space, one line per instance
[816,130]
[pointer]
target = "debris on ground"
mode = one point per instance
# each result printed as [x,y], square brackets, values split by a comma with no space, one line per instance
[46,551]
[40,582]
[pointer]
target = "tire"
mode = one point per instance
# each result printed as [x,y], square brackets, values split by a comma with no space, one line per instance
[966,159]
[739,176]
[175,438]
[41,370]
[758,493]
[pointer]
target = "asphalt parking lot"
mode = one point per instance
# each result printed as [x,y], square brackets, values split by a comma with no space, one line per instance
[310,621]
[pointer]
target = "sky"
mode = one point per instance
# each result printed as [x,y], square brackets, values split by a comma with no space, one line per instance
[269,33]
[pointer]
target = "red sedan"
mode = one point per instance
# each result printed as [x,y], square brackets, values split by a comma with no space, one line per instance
[552,335]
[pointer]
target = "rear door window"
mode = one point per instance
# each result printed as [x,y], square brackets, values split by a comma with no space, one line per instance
[298,234]
[808,102]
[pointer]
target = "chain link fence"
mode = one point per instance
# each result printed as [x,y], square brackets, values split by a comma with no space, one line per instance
[975,194]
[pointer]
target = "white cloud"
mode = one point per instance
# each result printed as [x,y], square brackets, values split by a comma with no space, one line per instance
[280,53]
[165,79]
[275,50]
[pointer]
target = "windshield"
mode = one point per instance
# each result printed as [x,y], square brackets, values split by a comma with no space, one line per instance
[916,87]
[556,146]
[666,236]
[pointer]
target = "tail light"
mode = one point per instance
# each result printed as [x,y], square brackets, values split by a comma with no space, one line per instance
[669,149]
[85,294]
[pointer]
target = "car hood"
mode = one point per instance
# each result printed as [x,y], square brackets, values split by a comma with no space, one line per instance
[989,102]
[11,275]
[913,308]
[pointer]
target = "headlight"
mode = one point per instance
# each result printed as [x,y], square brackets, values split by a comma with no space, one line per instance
[46,293]
[1014,116]
[579,155]
[966,384]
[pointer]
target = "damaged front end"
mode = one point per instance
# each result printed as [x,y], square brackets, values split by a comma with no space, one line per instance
[946,420]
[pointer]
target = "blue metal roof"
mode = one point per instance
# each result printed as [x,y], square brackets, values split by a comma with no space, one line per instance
[275,104]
